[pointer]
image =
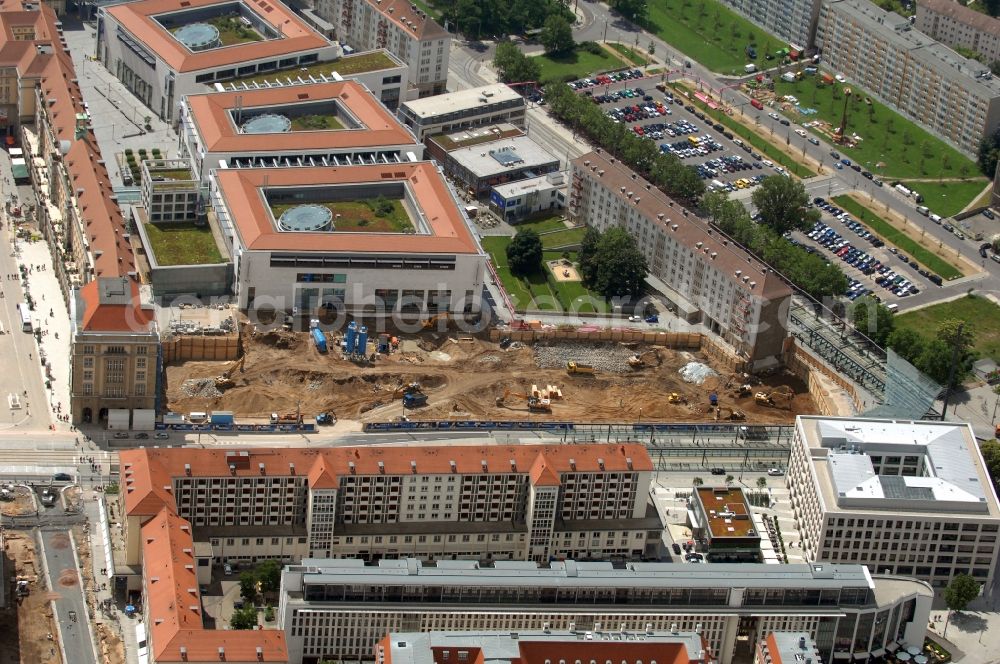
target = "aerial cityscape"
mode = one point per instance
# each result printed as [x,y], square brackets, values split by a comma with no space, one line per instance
[469,332]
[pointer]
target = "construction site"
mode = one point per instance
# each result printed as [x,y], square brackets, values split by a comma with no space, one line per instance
[437,374]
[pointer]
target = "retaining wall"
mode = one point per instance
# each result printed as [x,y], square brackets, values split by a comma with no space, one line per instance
[182,349]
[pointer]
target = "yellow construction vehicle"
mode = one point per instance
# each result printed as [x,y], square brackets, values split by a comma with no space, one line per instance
[431,322]
[535,404]
[404,389]
[579,368]
[676,397]
[724,413]
[639,361]
[781,394]
[224,381]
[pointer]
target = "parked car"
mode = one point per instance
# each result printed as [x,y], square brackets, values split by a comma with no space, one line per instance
[677,548]
[775,472]
[162,435]
[718,471]
[121,434]
[142,435]
[62,477]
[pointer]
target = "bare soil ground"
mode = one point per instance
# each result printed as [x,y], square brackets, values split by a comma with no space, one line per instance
[109,644]
[28,632]
[462,378]
[23,503]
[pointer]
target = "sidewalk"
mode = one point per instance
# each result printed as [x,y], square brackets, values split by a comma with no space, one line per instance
[102,535]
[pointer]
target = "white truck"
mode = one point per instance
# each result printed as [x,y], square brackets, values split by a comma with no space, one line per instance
[750,68]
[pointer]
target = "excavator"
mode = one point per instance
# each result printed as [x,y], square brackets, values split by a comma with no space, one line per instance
[225,381]
[535,404]
[404,389]
[781,393]
[732,414]
[676,397]
[431,323]
[639,361]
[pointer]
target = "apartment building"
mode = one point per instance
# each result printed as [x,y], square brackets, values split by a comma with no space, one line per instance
[343,608]
[954,24]
[538,647]
[162,50]
[400,27]
[793,21]
[463,109]
[909,498]
[523,502]
[954,98]
[293,251]
[703,273]
[322,124]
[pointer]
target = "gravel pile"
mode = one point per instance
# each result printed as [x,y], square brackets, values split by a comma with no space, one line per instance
[611,358]
[200,387]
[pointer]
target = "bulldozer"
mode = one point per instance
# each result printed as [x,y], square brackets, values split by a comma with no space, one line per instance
[676,397]
[225,381]
[639,361]
[535,404]
[778,395]
[731,414]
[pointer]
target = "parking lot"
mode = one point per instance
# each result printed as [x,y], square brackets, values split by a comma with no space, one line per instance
[678,128]
[870,265]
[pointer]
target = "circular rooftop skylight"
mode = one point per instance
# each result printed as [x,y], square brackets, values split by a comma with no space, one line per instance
[306,218]
[198,36]
[268,123]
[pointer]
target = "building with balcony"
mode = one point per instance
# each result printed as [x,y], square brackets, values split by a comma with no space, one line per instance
[698,269]
[344,608]
[908,498]
[792,21]
[956,25]
[952,97]
[323,124]
[463,109]
[401,28]
[721,517]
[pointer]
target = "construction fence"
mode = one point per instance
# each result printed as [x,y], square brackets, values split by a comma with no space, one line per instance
[182,349]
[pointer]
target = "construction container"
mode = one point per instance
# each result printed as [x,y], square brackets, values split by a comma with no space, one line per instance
[362,348]
[320,339]
[350,337]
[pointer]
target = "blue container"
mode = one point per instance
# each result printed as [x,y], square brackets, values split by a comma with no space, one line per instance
[362,341]
[350,337]
[320,339]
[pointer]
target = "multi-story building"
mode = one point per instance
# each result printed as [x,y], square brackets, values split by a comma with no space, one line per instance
[523,502]
[954,24]
[343,608]
[516,201]
[30,39]
[493,156]
[162,50]
[720,516]
[402,28]
[698,269]
[463,109]
[305,238]
[787,648]
[538,647]
[910,498]
[793,21]
[954,98]
[115,352]
[325,124]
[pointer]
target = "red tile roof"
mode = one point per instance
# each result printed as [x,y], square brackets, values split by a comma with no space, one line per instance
[396,11]
[106,317]
[218,133]
[240,189]
[137,18]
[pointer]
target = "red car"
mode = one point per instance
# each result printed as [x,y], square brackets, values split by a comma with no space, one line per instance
[638,130]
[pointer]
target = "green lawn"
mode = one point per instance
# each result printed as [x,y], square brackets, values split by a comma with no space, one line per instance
[638,59]
[758,142]
[924,257]
[359,216]
[578,64]
[316,123]
[563,238]
[553,223]
[172,174]
[709,33]
[182,244]
[948,198]
[892,146]
[982,315]
[536,288]
[347,65]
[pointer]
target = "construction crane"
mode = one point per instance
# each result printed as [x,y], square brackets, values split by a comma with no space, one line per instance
[535,404]
[782,393]
[639,361]
[224,381]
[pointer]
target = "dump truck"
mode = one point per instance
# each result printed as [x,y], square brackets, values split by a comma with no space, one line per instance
[579,368]
[414,400]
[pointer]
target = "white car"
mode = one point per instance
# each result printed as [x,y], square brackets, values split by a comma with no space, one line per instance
[773,116]
[635,319]
[801,132]
[775,472]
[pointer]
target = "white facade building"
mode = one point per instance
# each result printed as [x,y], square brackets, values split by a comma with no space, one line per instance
[516,200]
[791,20]
[954,24]
[908,498]
[463,109]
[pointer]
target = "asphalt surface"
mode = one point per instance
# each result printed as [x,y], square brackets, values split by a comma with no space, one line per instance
[64,580]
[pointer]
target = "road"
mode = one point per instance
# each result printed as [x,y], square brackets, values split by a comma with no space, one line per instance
[66,585]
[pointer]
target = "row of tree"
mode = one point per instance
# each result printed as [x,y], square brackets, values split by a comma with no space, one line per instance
[478,18]
[666,171]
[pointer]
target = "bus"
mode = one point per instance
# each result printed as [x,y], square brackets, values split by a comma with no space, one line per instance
[22,309]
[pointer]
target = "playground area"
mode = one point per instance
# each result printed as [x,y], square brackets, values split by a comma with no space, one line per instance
[563,270]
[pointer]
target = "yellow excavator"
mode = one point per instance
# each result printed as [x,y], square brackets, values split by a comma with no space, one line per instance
[782,394]
[431,322]
[732,414]
[404,389]
[225,381]
[535,404]
[676,397]
[639,361]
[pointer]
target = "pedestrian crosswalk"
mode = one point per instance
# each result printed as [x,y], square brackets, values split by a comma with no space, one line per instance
[13,457]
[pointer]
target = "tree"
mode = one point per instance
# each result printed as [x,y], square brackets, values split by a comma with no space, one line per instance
[761,482]
[621,266]
[557,35]
[782,202]
[991,455]
[697,481]
[245,618]
[962,590]
[949,334]
[907,343]
[269,575]
[513,66]
[992,7]
[935,361]
[631,9]
[248,586]
[729,479]
[524,253]
[588,255]
[873,319]
[995,67]
[989,153]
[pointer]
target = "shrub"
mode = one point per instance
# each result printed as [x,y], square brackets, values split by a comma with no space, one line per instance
[128,152]
[591,47]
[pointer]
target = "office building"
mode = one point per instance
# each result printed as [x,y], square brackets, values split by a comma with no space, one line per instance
[516,201]
[522,502]
[704,274]
[162,50]
[952,97]
[720,516]
[400,27]
[954,24]
[792,21]
[303,238]
[463,109]
[787,648]
[324,124]
[500,155]
[909,498]
[538,647]
[343,608]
